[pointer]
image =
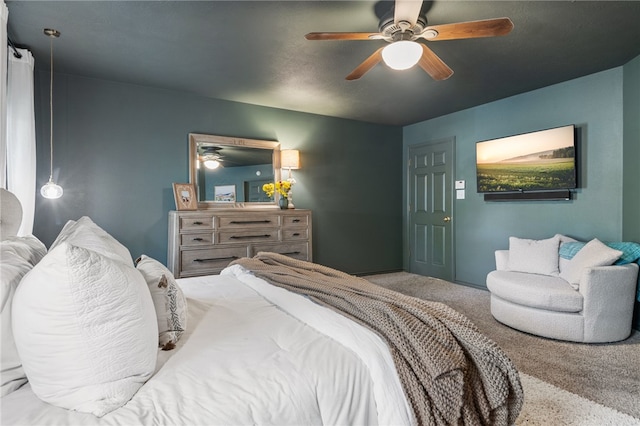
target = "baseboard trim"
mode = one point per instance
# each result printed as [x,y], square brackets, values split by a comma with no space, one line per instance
[466,284]
[388,271]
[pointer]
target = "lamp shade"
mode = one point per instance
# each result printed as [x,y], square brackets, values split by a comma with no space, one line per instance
[290,159]
[402,55]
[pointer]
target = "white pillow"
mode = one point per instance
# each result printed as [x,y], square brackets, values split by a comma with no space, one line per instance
[534,256]
[85,328]
[594,253]
[28,247]
[168,299]
[86,233]
[14,267]
[562,262]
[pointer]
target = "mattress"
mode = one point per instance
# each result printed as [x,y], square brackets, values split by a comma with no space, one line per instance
[252,354]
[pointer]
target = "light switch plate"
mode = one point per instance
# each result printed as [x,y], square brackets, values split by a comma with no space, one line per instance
[460,194]
[459,184]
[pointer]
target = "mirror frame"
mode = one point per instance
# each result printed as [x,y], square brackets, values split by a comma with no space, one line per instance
[195,139]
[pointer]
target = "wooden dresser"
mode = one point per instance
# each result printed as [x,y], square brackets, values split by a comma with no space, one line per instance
[204,242]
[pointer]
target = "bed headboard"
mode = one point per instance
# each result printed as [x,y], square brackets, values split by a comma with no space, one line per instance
[10,214]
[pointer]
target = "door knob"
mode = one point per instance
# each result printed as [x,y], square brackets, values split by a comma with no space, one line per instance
[447,219]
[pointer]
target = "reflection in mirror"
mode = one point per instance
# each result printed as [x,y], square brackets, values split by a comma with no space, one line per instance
[230,172]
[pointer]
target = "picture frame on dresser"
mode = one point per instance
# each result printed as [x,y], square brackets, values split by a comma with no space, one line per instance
[185,196]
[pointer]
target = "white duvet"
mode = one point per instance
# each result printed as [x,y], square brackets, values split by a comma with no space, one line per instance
[253,354]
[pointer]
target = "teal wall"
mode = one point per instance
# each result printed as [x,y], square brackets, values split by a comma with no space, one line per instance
[595,105]
[631,194]
[631,159]
[119,147]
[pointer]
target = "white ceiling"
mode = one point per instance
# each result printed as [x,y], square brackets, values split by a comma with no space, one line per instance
[255,52]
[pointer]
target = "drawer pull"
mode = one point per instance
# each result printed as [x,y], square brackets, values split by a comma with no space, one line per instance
[241,237]
[197,222]
[296,234]
[296,220]
[290,253]
[198,239]
[244,222]
[213,259]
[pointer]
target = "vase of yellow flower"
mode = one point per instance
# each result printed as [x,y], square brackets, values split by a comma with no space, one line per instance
[281,187]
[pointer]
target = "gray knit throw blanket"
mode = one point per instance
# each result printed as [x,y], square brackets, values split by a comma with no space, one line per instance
[450,372]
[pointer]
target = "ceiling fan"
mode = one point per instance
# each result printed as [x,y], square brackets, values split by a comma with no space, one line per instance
[403,33]
[210,156]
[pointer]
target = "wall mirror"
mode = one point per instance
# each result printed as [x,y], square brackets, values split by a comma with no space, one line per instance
[230,172]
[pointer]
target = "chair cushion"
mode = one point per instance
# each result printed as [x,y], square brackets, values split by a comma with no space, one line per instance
[534,290]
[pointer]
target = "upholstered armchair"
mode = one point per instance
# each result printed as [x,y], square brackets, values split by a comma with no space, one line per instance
[583,299]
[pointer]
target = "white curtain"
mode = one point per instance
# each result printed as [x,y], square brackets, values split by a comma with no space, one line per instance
[21,136]
[4,13]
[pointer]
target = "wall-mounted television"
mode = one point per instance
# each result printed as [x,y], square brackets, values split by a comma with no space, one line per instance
[543,160]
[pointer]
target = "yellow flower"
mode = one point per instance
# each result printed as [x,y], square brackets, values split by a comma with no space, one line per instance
[282,187]
[269,189]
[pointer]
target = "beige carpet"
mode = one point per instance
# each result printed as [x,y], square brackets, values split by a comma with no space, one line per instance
[608,374]
[545,405]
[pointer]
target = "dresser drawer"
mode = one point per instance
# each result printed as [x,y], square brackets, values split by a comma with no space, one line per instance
[244,235]
[295,234]
[295,220]
[199,239]
[295,250]
[192,223]
[249,221]
[209,260]
[204,242]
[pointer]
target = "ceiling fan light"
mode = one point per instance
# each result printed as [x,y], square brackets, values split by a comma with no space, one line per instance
[402,55]
[211,164]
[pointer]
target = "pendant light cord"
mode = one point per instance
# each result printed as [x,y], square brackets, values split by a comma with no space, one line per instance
[51,113]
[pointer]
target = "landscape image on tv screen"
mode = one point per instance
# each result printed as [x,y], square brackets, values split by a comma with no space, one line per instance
[537,161]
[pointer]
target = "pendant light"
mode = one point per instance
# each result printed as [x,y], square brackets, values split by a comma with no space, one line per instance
[50,189]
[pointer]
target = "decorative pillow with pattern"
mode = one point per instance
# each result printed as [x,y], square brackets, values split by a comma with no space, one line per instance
[169,301]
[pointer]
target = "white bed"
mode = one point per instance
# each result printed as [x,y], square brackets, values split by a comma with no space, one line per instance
[85,334]
[253,354]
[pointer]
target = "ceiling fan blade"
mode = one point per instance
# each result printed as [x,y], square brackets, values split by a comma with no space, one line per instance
[471,29]
[342,36]
[365,66]
[433,65]
[407,10]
